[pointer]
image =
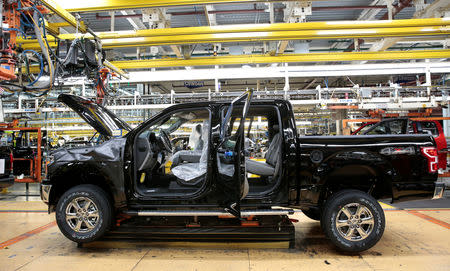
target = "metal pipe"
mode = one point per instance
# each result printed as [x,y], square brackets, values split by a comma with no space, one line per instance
[264,212]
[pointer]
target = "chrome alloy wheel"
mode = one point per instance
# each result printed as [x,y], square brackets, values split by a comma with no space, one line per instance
[82,215]
[354,222]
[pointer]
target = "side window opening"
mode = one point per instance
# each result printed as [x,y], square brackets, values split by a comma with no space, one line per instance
[430,126]
[397,127]
[367,127]
[391,127]
[381,129]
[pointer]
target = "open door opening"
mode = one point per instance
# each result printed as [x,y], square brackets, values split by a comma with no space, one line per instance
[262,148]
[171,155]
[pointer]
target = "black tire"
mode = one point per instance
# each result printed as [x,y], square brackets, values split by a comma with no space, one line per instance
[99,221]
[359,235]
[314,214]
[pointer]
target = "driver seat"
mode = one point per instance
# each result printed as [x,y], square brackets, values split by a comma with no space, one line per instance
[191,173]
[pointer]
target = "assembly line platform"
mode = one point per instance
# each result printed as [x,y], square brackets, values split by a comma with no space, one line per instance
[263,229]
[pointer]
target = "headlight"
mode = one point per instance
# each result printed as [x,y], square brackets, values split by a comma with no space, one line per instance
[48,158]
[47,161]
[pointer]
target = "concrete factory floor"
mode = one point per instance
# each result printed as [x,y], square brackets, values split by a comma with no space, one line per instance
[417,237]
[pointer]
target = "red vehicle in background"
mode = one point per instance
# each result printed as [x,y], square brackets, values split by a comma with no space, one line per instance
[408,126]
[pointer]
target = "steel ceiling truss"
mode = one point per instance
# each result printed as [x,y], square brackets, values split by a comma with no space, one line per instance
[364,98]
[101,5]
[316,71]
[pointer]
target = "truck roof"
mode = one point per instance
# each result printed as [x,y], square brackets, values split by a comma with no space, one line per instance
[207,103]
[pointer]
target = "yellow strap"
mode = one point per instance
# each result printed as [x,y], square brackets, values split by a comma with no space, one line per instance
[142,177]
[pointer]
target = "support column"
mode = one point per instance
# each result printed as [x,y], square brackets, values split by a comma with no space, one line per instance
[286,82]
[113,20]
[216,84]
[339,116]
[2,116]
[216,80]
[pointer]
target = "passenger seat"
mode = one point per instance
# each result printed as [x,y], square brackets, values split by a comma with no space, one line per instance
[273,157]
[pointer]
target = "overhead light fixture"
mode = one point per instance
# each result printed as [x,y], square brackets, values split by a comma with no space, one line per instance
[301,48]
[236,50]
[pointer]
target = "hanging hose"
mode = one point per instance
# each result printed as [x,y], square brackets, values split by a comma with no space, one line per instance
[43,90]
[41,61]
[45,52]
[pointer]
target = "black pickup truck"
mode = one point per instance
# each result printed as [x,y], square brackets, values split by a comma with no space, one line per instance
[190,160]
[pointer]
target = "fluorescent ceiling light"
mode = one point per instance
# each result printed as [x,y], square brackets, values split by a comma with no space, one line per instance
[130,20]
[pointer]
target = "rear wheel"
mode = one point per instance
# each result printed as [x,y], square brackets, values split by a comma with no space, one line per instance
[84,213]
[353,220]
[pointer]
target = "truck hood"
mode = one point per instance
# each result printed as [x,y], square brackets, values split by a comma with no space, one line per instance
[100,118]
[109,151]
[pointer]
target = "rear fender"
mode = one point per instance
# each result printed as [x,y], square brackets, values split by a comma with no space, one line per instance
[352,169]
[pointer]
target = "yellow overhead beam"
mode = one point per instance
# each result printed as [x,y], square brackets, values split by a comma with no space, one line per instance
[274,36]
[64,14]
[286,58]
[115,69]
[101,5]
[351,26]
[265,32]
[59,24]
[263,36]
[51,28]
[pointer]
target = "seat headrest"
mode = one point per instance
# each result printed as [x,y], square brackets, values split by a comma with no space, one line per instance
[276,128]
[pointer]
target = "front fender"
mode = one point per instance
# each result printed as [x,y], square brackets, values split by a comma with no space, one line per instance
[107,175]
[101,165]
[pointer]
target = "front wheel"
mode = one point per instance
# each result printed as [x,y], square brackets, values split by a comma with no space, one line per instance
[83,213]
[353,220]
